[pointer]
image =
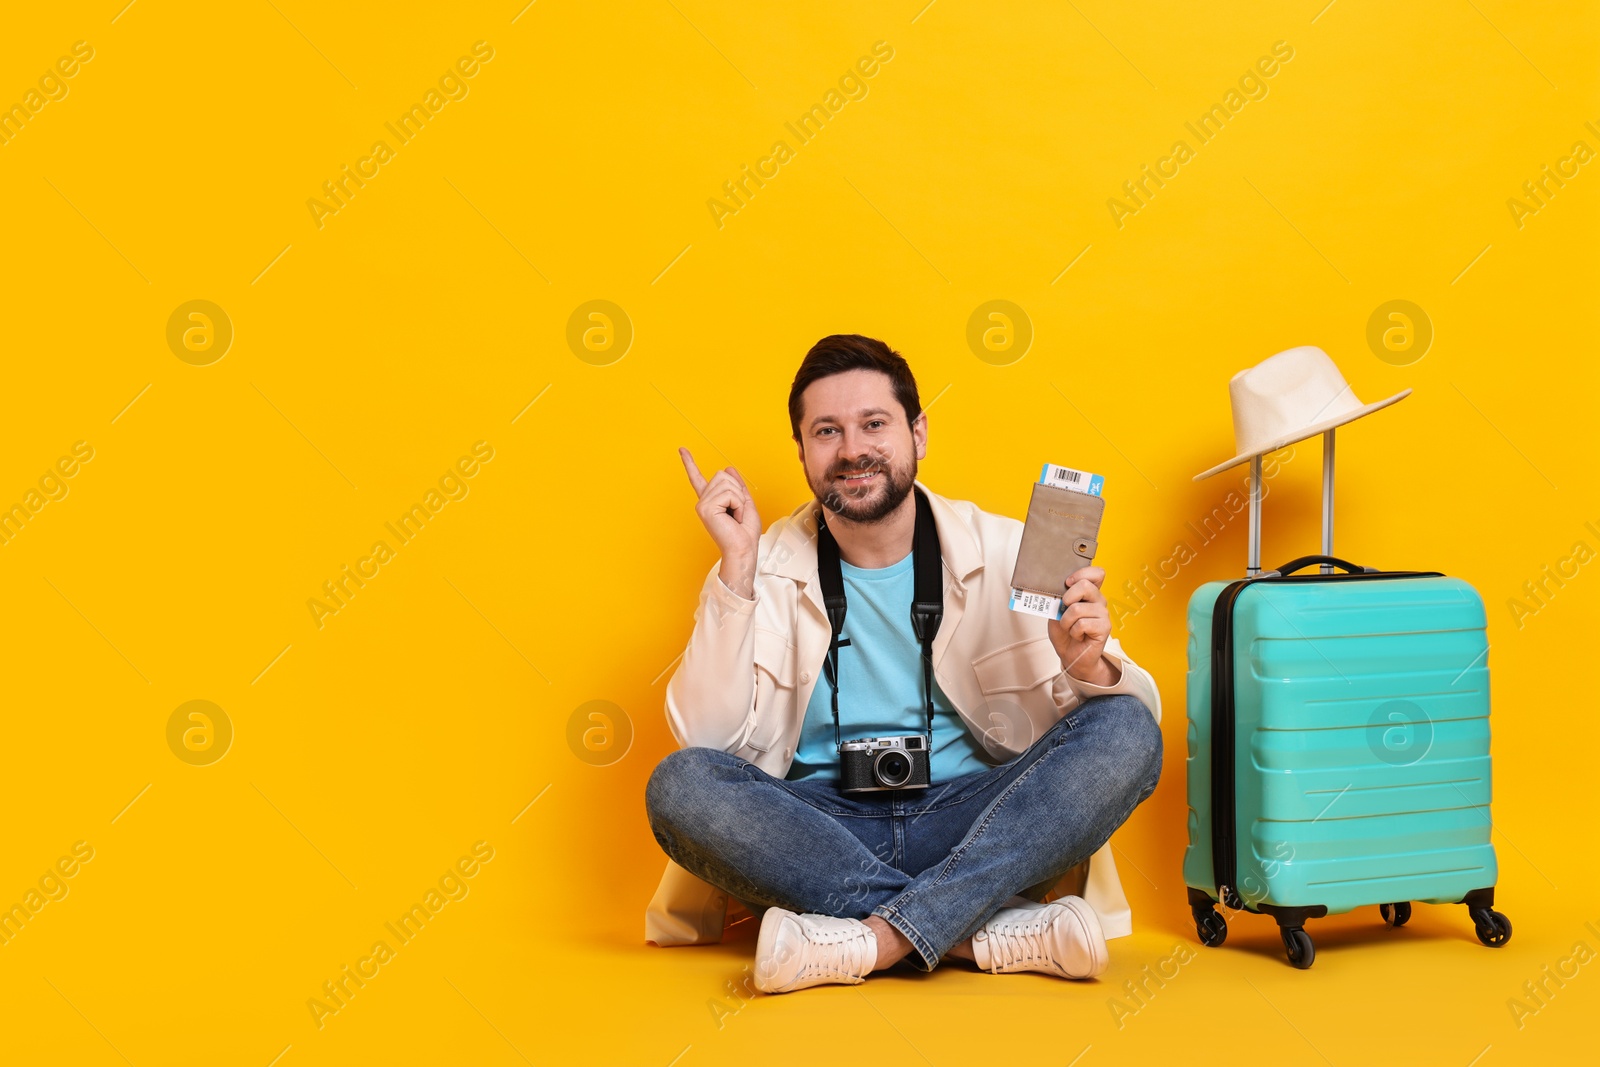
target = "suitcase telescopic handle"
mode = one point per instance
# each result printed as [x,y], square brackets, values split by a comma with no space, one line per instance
[1326,561]
[1253,560]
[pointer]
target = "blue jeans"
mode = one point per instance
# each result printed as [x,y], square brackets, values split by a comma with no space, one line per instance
[933,863]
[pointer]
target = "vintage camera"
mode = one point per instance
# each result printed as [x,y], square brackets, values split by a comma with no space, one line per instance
[875,763]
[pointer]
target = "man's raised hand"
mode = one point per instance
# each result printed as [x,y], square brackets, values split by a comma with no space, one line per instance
[729,514]
[1080,635]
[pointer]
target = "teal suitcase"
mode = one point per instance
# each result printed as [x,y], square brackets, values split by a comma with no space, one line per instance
[1338,745]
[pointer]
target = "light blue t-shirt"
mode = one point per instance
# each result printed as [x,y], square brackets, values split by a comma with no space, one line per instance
[880,683]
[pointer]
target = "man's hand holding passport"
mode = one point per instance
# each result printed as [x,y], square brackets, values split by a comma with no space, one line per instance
[1054,576]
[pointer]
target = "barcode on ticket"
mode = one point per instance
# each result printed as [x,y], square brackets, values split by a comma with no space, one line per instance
[1035,603]
[1071,478]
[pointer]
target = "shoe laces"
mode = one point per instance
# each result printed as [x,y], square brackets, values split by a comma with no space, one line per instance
[839,952]
[1017,942]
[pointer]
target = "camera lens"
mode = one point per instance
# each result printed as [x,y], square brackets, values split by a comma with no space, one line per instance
[892,767]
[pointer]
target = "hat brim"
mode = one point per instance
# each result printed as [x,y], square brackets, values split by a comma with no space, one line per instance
[1301,434]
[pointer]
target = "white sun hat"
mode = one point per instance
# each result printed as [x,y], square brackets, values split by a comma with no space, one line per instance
[1289,397]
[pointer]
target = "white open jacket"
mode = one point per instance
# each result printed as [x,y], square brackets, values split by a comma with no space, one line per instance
[750,665]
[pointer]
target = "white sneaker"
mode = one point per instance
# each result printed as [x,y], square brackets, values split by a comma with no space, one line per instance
[798,951]
[1062,938]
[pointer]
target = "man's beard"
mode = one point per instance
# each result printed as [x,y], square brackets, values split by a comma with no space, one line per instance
[885,492]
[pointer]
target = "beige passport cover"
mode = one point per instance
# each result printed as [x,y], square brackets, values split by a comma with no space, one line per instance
[1060,535]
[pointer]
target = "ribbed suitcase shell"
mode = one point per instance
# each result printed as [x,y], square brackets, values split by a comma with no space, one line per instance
[1361,742]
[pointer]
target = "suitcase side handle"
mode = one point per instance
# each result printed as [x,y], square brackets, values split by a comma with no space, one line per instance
[1327,562]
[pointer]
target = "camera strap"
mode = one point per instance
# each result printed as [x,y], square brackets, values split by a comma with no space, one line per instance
[927,601]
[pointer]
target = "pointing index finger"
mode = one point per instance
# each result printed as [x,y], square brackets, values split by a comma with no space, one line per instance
[695,478]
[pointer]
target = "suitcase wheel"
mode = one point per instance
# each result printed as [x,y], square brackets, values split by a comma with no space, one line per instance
[1209,925]
[1297,943]
[1397,914]
[1493,928]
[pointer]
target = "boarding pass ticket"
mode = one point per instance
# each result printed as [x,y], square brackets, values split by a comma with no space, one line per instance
[1077,481]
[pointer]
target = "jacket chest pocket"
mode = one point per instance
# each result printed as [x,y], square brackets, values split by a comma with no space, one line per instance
[1015,683]
[775,683]
[1017,667]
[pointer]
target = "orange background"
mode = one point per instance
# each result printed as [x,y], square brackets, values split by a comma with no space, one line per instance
[431,312]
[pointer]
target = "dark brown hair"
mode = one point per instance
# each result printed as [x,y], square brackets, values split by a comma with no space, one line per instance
[842,352]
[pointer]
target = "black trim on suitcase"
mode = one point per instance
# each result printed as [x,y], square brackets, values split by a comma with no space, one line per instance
[1224,813]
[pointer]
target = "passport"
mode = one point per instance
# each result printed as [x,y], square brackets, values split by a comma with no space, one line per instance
[1060,534]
